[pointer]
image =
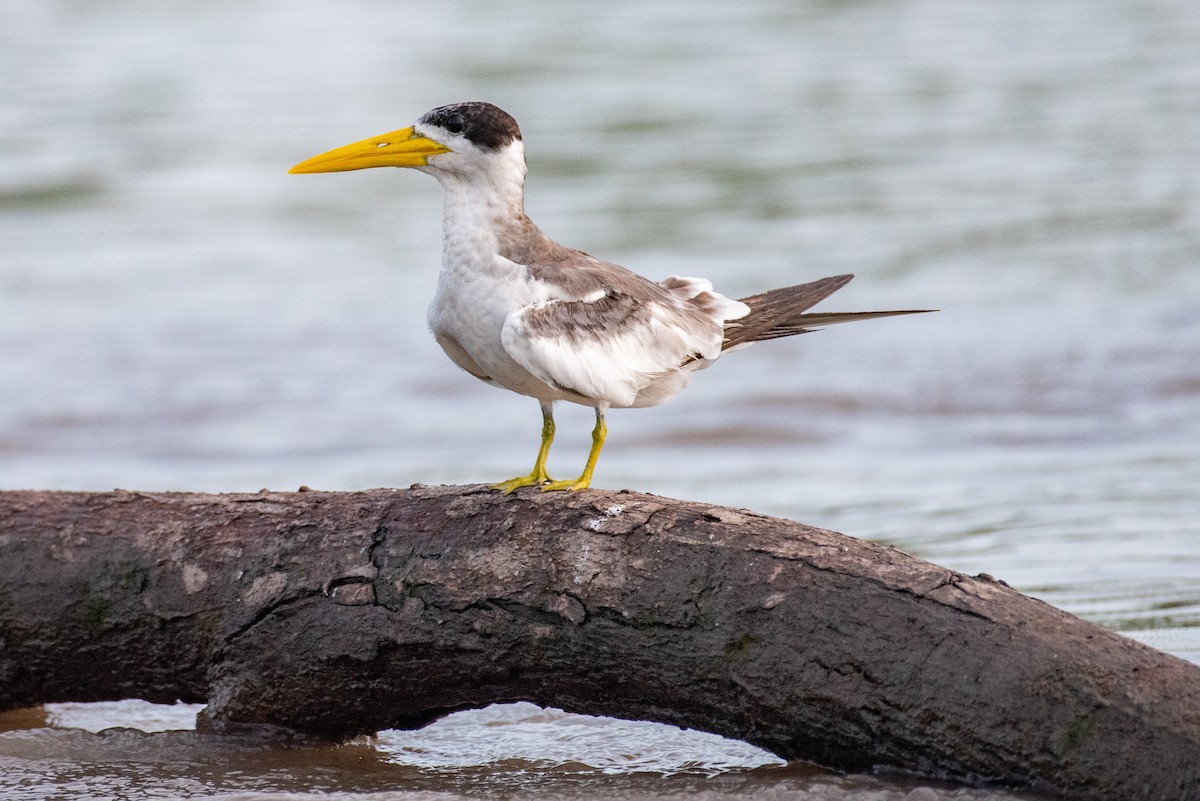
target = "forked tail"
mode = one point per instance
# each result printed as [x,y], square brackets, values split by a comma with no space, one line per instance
[780,312]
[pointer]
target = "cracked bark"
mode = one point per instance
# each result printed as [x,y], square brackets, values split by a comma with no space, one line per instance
[335,614]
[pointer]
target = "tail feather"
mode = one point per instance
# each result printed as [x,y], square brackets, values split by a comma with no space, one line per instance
[780,312]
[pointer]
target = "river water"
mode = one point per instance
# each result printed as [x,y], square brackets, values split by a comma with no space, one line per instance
[177,313]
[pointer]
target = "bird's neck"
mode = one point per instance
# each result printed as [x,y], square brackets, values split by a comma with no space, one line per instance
[480,210]
[483,211]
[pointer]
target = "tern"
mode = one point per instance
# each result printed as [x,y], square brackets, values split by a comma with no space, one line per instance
[518,310]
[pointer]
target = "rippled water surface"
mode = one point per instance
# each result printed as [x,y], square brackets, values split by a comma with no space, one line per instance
[178,313]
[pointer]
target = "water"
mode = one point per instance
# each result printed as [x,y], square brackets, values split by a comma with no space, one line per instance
[178,313]
[504,752]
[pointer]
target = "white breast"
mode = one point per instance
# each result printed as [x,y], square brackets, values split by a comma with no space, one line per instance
[477,288]
[467,317]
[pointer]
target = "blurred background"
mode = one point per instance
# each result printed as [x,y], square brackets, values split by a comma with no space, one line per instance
[178,313]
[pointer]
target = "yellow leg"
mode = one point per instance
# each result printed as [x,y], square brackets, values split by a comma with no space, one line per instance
[584,481]
[538,474]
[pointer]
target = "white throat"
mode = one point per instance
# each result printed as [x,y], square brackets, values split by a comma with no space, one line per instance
[484,198]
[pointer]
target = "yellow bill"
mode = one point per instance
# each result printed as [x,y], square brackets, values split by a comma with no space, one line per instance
[403,148]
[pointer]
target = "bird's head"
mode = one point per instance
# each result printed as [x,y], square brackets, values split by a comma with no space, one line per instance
[460,139]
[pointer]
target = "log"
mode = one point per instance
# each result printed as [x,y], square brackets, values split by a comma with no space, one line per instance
[336,614]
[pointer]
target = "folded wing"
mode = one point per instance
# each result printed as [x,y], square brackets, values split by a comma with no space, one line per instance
[615,342]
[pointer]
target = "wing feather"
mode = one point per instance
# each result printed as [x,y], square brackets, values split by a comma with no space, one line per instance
[610,348]
[781,312]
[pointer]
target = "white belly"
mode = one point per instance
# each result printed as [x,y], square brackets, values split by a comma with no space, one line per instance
[468,314]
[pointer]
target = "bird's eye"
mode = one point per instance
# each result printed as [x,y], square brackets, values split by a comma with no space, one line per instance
[454,124]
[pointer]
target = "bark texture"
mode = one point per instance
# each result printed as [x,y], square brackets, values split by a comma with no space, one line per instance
[335,614]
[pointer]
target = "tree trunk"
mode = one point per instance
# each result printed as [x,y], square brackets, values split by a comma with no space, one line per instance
[336,614]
